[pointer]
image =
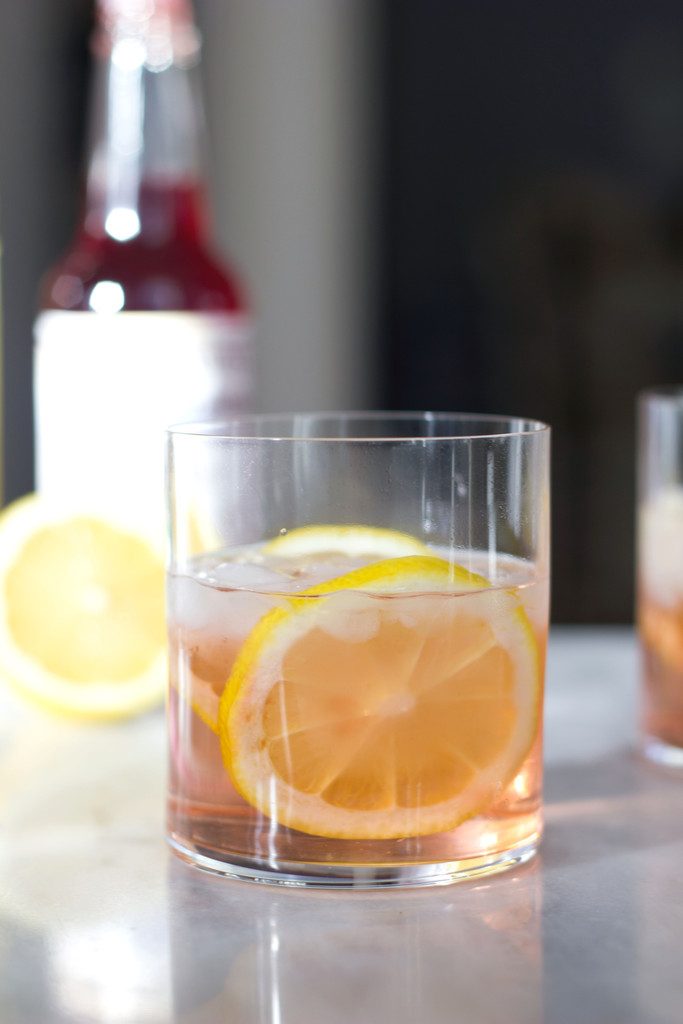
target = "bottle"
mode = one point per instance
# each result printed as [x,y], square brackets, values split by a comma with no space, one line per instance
[140,325]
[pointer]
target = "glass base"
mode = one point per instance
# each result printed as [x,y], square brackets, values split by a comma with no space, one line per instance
[340,876]
[662,753]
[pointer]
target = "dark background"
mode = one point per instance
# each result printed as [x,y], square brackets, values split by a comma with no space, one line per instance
[533,242]
[527,203]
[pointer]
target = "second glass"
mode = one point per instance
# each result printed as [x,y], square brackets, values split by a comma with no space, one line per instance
[660,573]
[358,610]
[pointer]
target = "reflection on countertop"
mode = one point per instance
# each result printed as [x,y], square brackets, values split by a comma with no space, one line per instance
[410,956]
[98,923]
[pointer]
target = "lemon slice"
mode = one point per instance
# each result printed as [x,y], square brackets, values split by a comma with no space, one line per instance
[395,701]
[354,541]
[81,612]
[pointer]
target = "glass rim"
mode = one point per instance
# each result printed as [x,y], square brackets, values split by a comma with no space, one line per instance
[233,428]
[670,393]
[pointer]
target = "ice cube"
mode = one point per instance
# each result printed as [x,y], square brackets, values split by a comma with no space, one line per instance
[197,606]
[240,610]
[351,617]
[309,572]
[191,604]
[405,612]
[247,576]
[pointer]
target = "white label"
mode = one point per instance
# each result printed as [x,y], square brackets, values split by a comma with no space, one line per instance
[106,387]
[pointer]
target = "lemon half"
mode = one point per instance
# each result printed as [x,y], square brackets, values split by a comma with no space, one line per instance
[82,619]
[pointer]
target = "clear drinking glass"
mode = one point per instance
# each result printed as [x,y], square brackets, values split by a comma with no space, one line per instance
[358,611]
[660,573]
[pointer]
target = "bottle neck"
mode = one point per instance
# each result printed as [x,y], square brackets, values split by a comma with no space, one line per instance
[145,180]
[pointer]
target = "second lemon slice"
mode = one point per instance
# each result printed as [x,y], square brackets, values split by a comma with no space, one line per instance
[395,701]
[353,541]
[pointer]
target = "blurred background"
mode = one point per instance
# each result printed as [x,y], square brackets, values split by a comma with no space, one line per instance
[450,206]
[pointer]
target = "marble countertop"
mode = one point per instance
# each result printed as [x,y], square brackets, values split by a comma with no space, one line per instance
[99,924]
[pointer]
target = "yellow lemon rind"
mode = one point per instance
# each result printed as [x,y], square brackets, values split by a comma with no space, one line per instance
[144,693]
[97,700]
[351,540]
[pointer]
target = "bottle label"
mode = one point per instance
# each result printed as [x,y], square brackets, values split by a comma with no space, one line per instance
[105,389]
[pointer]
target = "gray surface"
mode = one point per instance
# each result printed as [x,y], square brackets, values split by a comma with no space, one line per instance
[99,924]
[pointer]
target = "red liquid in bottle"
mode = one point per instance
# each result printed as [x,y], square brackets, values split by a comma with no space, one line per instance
[167,266]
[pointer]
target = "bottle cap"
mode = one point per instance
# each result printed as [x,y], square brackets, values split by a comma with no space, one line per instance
[165,26]
[142,11]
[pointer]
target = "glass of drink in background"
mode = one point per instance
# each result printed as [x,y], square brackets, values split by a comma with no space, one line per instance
[660,573]
[358,611]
